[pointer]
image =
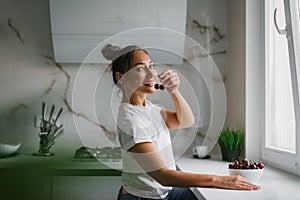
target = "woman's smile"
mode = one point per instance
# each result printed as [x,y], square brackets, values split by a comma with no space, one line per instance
[149,83]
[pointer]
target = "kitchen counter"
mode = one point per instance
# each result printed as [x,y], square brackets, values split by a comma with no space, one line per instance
[275,184]
[59,166]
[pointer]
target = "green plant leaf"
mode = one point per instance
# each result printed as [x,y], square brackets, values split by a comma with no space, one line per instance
[230,139]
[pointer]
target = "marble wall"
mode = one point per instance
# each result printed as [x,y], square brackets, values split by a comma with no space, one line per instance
[29,76]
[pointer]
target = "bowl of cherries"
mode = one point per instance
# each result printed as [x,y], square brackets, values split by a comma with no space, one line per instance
[252,171]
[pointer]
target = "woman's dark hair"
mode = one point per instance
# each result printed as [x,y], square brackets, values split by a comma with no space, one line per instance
[121,58]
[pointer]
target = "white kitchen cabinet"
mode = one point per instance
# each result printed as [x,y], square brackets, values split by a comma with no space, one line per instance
[85,187]
[78,27]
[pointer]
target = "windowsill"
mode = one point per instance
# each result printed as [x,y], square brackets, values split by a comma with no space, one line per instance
[275,184]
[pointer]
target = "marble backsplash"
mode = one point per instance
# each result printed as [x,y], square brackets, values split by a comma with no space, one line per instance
[29,75]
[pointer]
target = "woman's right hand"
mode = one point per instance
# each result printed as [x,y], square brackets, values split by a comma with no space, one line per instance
[170,80]
[235,182]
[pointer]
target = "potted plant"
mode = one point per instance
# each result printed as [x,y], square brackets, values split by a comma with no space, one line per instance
[230,141]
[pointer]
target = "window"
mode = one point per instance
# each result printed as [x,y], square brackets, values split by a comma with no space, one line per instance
[282,73]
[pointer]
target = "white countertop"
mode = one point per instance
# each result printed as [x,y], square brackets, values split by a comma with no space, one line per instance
[275,184]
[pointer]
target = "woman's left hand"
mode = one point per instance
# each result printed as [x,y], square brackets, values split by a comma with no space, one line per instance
[170,80]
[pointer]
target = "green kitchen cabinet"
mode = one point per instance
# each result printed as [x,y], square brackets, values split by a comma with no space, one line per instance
[85,187]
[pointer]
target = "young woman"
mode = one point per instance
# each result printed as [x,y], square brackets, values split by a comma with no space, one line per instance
[148,164]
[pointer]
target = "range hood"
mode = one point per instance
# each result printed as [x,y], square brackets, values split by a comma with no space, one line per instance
[80,28]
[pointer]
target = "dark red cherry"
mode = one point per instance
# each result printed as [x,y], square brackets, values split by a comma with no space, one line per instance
[260,165]
[161,87]
[158,86]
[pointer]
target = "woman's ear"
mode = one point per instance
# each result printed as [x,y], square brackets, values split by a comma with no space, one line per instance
[118,76]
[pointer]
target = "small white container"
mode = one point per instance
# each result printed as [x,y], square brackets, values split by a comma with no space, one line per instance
[252,175]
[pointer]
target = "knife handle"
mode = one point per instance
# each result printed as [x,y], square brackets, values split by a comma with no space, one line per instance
[51,113]
[58,115]
[44,110]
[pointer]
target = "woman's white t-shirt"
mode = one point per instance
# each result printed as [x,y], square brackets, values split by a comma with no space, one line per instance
[137,124]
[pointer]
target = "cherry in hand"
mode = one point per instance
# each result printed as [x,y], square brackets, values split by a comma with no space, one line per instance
[158,86]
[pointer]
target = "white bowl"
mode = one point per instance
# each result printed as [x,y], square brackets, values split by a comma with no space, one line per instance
[8,149]
[252,175]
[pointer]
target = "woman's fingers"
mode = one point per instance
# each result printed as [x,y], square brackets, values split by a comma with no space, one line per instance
[237,183]
[241,183]
[169,79]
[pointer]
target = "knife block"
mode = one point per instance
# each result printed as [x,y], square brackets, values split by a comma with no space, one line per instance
[50,129]
[44,147]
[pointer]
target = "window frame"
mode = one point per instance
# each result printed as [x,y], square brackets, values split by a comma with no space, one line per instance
[283,159]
